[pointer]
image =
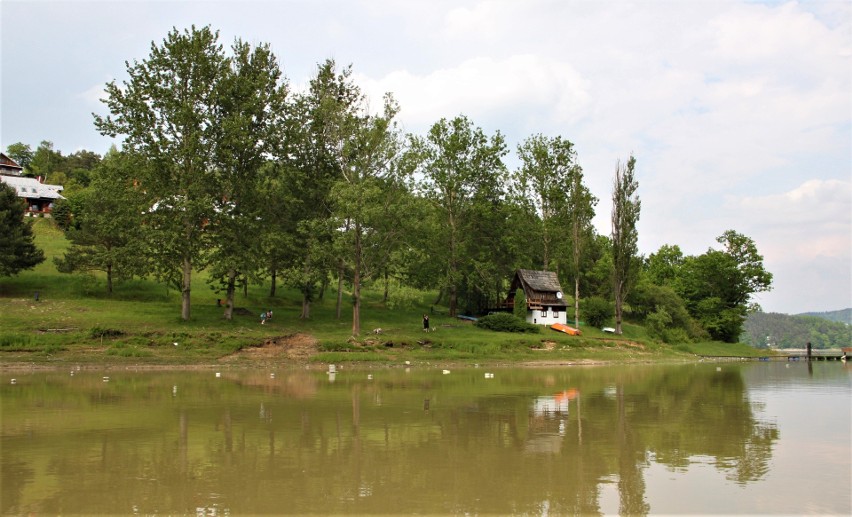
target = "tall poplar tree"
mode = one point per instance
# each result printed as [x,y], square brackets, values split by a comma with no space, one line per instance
[625,214]
[581,211]
[168,113]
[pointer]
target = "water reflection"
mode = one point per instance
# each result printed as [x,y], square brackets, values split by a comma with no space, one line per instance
[526,441]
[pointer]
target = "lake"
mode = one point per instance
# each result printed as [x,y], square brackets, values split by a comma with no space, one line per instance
[708,438]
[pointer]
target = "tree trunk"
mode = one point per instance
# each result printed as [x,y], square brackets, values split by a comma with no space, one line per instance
[385,296]
[323,285]
[186,287]
[440,296]
[229,294]
[356,284]
[272,287]
[453,267]
[339,288]
[306,308]
[109,278]
[618,303]
[577,302]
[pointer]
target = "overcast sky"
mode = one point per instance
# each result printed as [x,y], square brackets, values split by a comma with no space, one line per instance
[738,112]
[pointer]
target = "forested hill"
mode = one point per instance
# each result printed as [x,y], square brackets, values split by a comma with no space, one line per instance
[843,316]
[785,331]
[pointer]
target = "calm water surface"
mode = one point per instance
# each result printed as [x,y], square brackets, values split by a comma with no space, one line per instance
[744,438]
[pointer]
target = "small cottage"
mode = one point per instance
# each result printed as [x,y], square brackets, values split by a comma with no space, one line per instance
[545,302]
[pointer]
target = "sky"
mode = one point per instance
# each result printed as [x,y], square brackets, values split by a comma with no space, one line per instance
[739,113]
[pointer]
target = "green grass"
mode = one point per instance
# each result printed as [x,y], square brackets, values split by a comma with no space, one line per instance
[75,319]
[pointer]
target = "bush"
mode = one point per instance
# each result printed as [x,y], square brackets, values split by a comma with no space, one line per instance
[99,332]
[596,311]
[505,322]
[520,309]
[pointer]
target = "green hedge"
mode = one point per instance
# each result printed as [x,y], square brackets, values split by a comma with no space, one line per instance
[505,322]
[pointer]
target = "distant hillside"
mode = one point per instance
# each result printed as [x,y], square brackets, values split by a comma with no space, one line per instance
[843,316]
[785,331]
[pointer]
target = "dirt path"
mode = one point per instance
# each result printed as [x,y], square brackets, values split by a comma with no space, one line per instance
[296,347]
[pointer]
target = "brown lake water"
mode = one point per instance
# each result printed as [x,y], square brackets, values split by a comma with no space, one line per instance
[727,438]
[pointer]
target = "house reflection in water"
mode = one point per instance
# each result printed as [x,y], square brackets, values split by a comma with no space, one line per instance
[548,419]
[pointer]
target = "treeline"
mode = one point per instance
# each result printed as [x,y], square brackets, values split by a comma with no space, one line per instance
[843,315]
[774,330]
[72,171]
[224,168]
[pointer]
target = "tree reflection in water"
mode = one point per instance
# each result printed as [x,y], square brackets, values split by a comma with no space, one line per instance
[526,441]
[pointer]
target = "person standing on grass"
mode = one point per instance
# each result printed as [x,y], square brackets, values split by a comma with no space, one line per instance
[425,323]
[263,318]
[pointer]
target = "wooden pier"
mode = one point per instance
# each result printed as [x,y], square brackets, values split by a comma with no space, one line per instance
[832,354]
[793,354]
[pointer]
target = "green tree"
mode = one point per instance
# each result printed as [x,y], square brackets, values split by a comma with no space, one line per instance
[45,162]
[169,114]
[312,166]
[717,286]
[251,108]
[369,146]
[456,159]
[598,311]
[18,251]
[580,214]
[21,153]
[107,235]
[625,214]
[520,308]
[662,267]
[544,180]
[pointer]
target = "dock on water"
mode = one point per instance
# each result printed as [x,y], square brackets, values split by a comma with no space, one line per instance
[829,354]
[793,354]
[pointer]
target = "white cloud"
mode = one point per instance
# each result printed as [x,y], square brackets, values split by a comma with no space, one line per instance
[94,95]
[810,221]
[486,88]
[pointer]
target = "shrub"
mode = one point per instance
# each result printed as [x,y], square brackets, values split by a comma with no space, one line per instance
[520,309]
[597,311]
[505,322]
[99,332]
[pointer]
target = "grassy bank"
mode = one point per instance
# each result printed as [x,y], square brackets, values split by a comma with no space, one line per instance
[74,320]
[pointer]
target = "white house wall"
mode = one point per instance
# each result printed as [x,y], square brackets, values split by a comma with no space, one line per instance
[538,317]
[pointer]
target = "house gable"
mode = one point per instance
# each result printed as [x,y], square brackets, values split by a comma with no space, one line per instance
[9,166]
[545,303]
[541,288]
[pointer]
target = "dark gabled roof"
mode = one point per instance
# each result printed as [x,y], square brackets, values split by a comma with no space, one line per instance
[540,287]
[541,281]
